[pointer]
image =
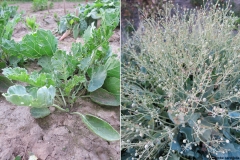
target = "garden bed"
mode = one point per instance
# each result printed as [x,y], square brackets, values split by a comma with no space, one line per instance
[60,135]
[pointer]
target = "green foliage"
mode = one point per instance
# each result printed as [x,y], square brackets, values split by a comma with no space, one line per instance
[39,5]
[34,97]
[35,79]
[38,44]
[65,77]
[88,15]
[97,79]
[180,87]
[11,10]
[31,23]
[33,45]
[6,29]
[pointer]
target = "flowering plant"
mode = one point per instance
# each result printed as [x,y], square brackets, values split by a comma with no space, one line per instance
[181,87]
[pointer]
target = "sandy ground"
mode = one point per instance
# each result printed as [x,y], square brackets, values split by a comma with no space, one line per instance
[60,136]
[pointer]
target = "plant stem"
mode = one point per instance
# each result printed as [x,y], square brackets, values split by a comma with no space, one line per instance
[59,100]
[60,108]
[63,97]
[78,113]
[87,96]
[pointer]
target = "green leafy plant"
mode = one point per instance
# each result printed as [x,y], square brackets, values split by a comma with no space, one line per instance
[6,29]
[33,46]
[39,5]
[31,23]
[87,14]
[180,87]
[65,77]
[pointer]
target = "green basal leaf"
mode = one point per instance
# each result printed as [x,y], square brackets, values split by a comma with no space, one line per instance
[38,44]
[112,85]
[40,98]
[39,112]
[35,79]
[103,97]
[97,79]
[5,84]
[113,67]
[100,127]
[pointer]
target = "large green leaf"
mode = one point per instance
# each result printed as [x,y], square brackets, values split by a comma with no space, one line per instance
[5,83]
[39,112]
[103,97]
[112,85]
[35,79]
[40,98]
[113,67]
[100,127]
[97,79]
[38,44]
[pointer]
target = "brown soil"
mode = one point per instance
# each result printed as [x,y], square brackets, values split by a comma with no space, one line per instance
[60,136]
